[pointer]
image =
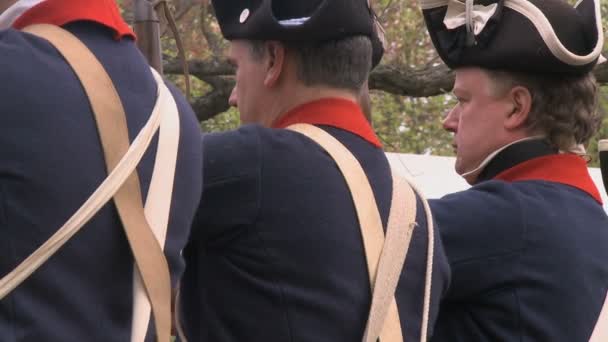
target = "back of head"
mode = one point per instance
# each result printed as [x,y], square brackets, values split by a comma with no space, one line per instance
[341,63]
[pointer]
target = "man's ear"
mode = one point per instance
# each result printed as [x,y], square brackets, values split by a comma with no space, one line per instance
[521,100]
[275,53]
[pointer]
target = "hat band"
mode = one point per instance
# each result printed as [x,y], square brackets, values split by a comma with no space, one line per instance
[543,26]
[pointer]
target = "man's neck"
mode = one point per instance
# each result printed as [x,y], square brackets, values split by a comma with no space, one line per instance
[302,95]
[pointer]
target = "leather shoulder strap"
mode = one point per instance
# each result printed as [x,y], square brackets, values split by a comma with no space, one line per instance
[112,126]
[401,223]
[385,256]
[361,191]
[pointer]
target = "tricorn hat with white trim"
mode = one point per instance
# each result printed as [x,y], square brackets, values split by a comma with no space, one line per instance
[298,20]
[536,36]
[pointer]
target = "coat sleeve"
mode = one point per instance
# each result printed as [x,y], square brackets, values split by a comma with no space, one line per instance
[482,229]
[231,184]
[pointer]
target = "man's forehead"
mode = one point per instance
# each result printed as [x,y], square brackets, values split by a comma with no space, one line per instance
[469,79]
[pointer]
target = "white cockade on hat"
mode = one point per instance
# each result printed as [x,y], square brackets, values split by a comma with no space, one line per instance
[475,17]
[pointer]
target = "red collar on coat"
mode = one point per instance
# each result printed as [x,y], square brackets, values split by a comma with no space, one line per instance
[566,169]
[339,113]
[62,12]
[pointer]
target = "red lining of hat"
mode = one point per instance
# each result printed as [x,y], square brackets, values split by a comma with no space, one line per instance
[568,169]
[339,113]
[62,12]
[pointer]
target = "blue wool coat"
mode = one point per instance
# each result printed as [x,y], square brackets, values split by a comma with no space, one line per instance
[527,248]
[50,163]
[276,251]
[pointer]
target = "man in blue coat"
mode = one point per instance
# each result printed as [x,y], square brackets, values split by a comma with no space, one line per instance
[51,161]
[276,252]
[527,243]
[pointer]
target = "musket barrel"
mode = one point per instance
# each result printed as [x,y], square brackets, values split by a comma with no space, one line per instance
[146,25]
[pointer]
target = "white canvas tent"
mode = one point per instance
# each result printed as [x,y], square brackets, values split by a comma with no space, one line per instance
[435,176]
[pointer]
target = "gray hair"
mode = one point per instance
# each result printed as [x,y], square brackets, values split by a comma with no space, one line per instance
[564,108]
[343,63]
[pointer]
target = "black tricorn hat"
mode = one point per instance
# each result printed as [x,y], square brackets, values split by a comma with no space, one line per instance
[298,20]
[535,36]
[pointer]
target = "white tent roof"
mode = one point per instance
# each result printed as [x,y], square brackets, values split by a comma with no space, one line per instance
[435,176]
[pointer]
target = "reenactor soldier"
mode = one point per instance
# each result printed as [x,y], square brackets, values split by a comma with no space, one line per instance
[55,120]
[527,243]
[279,250]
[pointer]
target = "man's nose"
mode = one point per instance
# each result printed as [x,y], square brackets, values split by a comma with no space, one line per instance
[450,122]
[232,100]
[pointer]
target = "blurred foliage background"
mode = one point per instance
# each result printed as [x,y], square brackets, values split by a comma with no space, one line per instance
[407,124]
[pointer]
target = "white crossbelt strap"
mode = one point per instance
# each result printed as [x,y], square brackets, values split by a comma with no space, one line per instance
[90,207]
[98,199]
[383,319]
[158,205]
[430,256]
[600,332]
[385,256]
[121,160]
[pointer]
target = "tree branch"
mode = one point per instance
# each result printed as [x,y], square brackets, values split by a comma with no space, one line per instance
[200,68]
[215,101]
[181,9]
[428,81]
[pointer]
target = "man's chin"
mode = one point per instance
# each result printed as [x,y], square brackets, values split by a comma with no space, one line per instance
[459,168]
[469,177]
